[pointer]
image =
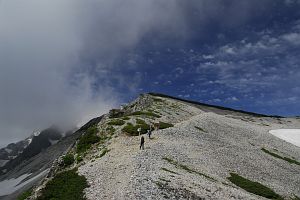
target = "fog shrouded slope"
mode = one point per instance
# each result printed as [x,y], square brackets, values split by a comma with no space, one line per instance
[34,159]
[199,152]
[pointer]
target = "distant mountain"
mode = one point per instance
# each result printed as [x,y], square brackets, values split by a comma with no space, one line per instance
[15,153]
[12,150]
[37,154]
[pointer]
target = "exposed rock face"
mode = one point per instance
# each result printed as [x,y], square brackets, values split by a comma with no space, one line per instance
[37,157]
[31,147]
[12,150]
[142,103]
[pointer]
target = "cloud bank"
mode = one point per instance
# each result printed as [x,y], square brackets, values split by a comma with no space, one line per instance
[62,60]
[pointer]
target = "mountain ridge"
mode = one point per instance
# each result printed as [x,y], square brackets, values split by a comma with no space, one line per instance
[191,155]
[214,106]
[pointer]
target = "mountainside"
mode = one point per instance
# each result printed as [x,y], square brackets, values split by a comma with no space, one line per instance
[32,161]
[12,150]
[28,148]
[196,151]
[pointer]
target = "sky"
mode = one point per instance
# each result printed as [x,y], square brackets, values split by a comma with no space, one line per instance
[65,61]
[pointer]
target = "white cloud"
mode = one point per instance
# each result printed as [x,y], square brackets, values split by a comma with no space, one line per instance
[232,99]
[293,38]
[227,49]
[207,57]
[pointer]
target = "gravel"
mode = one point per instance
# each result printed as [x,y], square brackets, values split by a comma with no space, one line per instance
[229,143]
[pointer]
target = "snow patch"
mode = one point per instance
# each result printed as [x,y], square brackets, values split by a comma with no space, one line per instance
[11,185]
[29,141]
[289,135]
[36,133]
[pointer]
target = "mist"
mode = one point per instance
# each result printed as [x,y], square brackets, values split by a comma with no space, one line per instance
[56,56]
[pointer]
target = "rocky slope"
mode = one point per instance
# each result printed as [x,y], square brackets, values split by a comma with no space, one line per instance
[33,160]
[191,160]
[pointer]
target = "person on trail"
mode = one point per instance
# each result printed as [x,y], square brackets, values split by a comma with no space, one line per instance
[149,133]
[142,142]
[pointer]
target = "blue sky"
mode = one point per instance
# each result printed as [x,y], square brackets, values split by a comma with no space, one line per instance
[93,55]
[252,64]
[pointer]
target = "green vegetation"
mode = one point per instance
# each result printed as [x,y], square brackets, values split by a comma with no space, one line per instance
[292,161]
[200,129]
[65,185]
[104,151]
[85,141]
[126,118]
[110,129]
[132,130]
[79,158]
[68,159]
[163,125]
[186,168]
[116,122]
[140,121]
[25,195]
[167,170]
[253,187]
[150,114]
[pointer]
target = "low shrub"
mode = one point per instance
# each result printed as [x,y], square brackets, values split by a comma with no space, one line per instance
[110,129]
[200,129]
[140,121]
[116,122]
[68,159]
[79,158]
[132,130]
[25,195]
[65,185]
[126,118]
[104,151]
[85,142]
[186,168]
[253,187]
[164,125]
[280,157]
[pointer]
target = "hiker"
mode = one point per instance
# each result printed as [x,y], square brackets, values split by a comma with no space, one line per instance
[142,142]
[149,133]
